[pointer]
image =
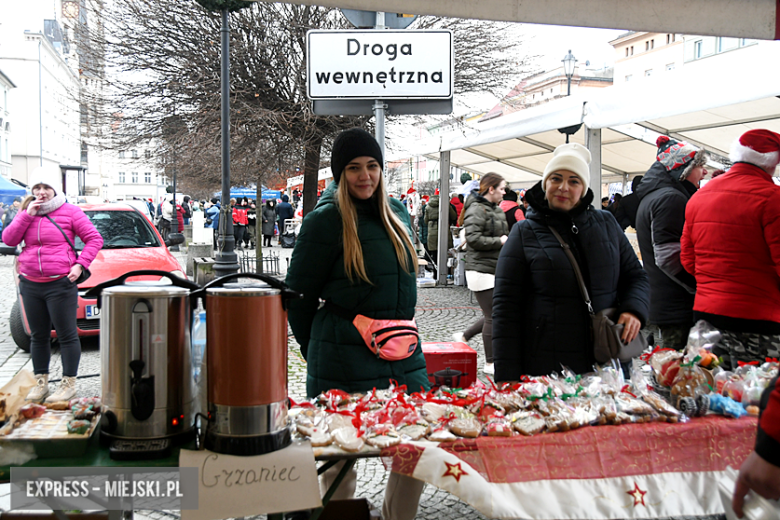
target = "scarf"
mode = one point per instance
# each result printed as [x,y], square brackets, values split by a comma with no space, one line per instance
[50,205]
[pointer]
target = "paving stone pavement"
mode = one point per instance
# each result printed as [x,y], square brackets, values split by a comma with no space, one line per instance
[440,313]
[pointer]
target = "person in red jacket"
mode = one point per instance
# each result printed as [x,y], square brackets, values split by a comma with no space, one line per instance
[455,201]
[180,217]
[761,470]
[735,254]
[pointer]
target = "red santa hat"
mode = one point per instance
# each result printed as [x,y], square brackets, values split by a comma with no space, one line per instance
[758,147]
[411,190]
[436,192]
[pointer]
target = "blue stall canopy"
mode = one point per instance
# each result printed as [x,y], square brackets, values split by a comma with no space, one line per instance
[9,190]
[251,193]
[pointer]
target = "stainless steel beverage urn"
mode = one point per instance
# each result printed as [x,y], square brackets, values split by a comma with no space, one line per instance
[247,364]
[148,390]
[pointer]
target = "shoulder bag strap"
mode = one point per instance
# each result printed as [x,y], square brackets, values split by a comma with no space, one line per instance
[575,265]
[63,234]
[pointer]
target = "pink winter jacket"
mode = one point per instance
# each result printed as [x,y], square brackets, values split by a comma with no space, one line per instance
[46,254]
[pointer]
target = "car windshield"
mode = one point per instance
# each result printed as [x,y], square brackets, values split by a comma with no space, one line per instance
[121,229]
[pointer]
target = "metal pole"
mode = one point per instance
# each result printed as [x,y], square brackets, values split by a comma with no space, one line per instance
[40,107]
[175,209]
[593,143]
[379,116]
[568,86]
[444,218]
[226,260]
[379,106]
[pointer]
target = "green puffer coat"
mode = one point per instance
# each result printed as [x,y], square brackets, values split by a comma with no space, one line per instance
[485,223]
[432,221]
[336,354]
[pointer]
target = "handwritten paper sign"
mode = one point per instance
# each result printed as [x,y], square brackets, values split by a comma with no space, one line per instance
[230,486]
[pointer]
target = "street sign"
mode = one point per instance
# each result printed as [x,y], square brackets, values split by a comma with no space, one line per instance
[371,64]
[367,19]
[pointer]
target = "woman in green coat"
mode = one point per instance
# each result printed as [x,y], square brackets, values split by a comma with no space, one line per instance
[355,250]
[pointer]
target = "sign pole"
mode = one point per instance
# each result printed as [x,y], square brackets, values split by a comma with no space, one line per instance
[379,114]
[379,105]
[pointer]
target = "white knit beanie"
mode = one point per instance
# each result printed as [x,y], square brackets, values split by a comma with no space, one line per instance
[572,157]
[50,175]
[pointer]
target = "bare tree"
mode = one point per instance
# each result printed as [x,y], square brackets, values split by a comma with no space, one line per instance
[162,59]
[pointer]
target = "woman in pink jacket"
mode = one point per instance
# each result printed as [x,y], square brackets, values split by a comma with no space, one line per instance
[49,268]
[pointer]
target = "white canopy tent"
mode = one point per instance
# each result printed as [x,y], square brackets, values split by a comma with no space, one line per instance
[619,123]
[685,104]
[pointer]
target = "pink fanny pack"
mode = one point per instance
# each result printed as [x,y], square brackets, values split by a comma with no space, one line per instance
[391,340]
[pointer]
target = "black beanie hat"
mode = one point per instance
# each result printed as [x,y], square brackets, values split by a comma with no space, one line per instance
[352,143]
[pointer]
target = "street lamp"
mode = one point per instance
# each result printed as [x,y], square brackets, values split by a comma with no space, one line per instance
[569,62]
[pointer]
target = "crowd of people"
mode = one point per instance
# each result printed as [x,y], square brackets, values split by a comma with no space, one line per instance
[171,216]
[540,270]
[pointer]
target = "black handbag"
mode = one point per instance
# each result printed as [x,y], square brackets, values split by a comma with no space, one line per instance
[85,274]
[607,342]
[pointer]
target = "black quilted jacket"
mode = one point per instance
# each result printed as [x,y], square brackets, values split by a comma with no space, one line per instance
[540,320]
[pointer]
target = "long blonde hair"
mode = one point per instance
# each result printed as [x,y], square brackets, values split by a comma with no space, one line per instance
[26,202]
[353,249]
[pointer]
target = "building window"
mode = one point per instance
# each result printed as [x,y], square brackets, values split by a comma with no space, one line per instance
[628,77]
[134,154]
[121,177]
[669,66]
[134,177]
[697,48]
[647,45]
[648,73]
[626,52]
[727,44]
[632,50]
[148,154]
[652,44]
[121,154]
[148,177]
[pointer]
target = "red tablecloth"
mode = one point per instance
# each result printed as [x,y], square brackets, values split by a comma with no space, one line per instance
[630,471]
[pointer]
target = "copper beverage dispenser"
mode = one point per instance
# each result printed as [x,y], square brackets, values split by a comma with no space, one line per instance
[246,345]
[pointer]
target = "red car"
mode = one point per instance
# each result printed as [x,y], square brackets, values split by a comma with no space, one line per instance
[130,243]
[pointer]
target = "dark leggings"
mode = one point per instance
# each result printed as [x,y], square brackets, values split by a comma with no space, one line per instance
[238,233]
[46,304]
[267,240]
[485,300]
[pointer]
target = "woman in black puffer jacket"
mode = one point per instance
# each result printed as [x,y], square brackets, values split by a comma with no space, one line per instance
[540,320]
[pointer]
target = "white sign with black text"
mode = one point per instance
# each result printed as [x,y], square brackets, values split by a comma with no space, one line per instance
[230,486]
[379,64]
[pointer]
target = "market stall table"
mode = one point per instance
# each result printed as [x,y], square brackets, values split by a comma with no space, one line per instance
[647,470]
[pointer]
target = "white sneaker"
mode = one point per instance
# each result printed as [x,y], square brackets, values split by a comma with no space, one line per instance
[488,369]
[41,388]
[65,392]
[459,337]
